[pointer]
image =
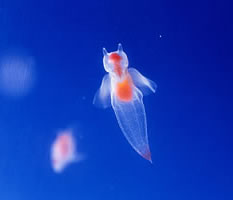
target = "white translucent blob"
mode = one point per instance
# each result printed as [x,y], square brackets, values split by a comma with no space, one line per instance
[16,74]
[63,151]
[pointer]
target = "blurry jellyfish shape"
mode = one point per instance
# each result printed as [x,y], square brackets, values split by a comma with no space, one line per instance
[16,74]
[63,151]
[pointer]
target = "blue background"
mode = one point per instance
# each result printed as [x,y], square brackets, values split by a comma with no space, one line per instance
[189,118]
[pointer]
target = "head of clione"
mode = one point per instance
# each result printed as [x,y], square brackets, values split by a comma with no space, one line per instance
[115,62]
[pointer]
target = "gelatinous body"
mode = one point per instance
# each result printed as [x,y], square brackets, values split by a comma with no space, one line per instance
[63,151]
[123,89]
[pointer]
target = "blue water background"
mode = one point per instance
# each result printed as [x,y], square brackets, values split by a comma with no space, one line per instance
[184,46]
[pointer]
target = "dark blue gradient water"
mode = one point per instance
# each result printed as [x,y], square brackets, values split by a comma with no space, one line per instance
[184,46]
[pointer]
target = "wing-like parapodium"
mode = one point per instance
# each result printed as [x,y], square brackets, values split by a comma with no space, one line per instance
[141,82]
[131,117]
[102,97]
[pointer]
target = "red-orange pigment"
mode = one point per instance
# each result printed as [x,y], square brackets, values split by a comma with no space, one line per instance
[124,90]
[147,155]
[116,58]
[64,142]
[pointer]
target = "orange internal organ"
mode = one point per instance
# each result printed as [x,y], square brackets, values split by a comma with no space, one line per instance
[116,58]
[64,143]
[124,90]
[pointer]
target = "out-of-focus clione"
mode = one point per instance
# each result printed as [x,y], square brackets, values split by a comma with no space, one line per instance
[123,89]
[63,151]
[17,73]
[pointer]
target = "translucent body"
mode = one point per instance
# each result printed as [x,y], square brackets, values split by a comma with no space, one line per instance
[123,89]
[63,151]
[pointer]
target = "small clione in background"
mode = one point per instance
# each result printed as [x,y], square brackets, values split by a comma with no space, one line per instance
[123,89]
[17,74]
[63,151]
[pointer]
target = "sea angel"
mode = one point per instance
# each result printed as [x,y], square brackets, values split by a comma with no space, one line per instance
[63,151]
[123,88]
